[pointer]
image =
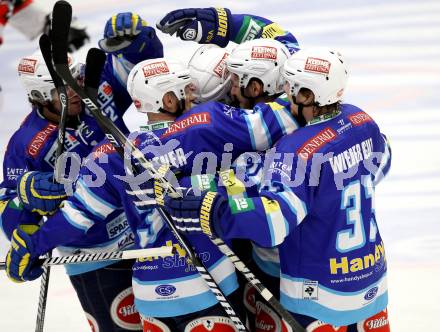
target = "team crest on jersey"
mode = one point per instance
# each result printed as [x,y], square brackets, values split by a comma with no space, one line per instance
[264,52]
[220,69]
[155,69]
[123,311]
[316,142]
[318,66]
[27,66]
[210,324]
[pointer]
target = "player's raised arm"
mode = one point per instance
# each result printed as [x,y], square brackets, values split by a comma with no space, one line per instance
[219,26]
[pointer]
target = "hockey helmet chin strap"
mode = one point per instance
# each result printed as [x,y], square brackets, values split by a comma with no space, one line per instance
[180,109]
[300,118]
[49,112]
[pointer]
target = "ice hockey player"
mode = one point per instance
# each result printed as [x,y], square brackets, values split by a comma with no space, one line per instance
[317,204]
[30,158]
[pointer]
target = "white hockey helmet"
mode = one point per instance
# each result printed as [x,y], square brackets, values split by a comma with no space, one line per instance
[36,79]
[322,71]
[262,59]
[151,79]
[208,70]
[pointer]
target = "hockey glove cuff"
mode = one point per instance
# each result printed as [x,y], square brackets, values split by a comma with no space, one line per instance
[196,214]
[21,258]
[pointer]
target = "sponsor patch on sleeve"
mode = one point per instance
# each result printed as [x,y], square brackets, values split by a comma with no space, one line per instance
[242,204]
[204,182]
[359,118]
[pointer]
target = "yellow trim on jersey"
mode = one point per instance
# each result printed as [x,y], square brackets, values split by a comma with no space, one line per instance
[233,185]
[270,206]
[3,205]
[272,31]
[276,106]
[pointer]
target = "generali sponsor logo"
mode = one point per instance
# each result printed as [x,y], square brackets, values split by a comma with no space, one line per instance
[191,121]
[103,149]
[27,66]
[316,142]
[359,118]
[219,70]
[39,140]
[155,68]
[316,65]
[264,52]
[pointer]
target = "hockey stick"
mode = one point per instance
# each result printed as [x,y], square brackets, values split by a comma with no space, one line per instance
[45,47]
[103,256]
[61,19]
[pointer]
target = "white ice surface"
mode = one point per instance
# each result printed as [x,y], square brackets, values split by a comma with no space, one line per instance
[393,48]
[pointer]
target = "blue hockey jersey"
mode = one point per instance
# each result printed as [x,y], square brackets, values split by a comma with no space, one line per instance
[197,141]
[317,206]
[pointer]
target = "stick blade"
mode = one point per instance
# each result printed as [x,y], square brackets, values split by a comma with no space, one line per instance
[46,51]
[61,19]
[94,65]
